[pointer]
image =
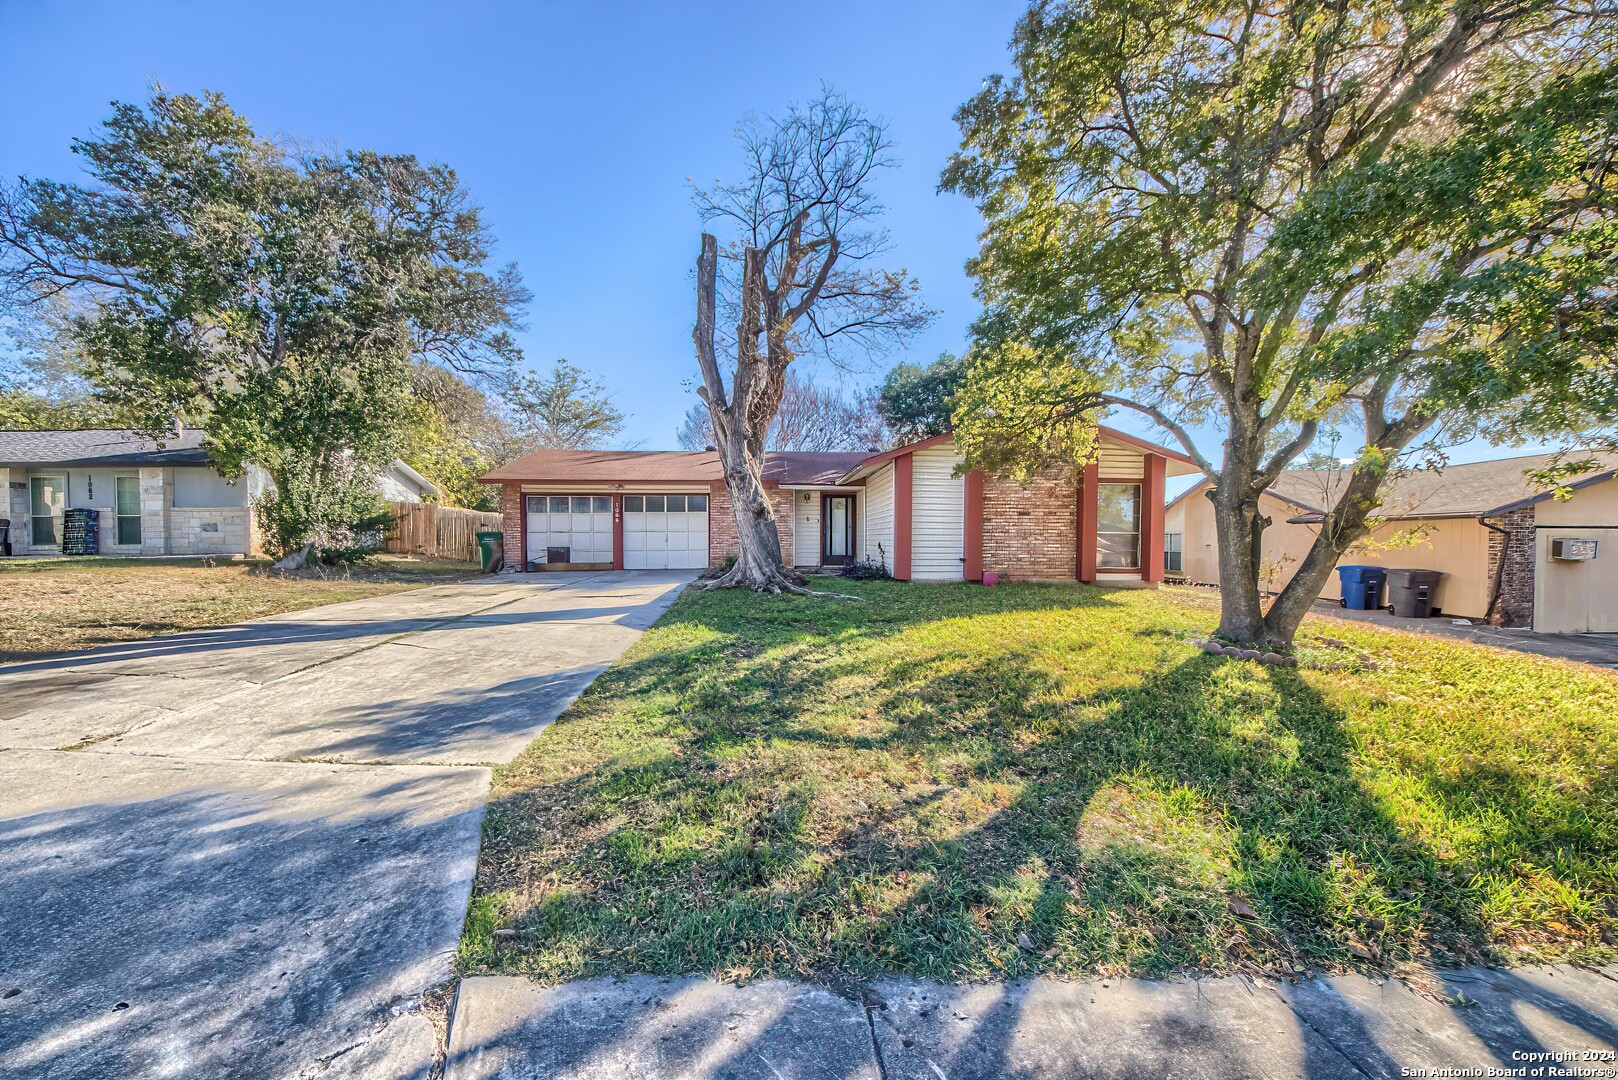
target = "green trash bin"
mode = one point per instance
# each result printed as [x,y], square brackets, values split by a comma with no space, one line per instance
[491,549]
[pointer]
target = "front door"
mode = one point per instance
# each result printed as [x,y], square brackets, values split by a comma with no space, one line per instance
[47,499]
[836,530]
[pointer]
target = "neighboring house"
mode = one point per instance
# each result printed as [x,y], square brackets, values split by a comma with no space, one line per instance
[150,499]
[1485,525]
[398,482]
[605,509]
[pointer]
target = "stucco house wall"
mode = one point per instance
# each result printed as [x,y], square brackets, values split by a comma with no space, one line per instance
[1511,552]
[1459,547]
[1577,597]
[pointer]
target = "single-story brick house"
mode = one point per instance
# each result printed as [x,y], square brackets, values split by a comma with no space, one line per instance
[149,499]
[1485,525]
[620,509]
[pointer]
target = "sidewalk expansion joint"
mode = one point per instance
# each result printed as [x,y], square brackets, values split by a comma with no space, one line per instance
[876,1047]
[1327,1039]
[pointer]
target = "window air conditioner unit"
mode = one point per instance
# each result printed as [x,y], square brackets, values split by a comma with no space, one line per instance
[1573,548]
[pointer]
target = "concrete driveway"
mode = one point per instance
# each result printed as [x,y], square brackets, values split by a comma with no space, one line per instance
[248,851]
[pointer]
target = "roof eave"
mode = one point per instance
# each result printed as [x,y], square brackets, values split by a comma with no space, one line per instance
[1534,500]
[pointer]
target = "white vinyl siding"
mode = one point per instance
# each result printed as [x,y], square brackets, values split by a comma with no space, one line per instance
[1121,462]
[937,516]
[879,516]
[806,528]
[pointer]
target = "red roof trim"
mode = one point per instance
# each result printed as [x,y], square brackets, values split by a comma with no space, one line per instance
[1141,444]
[1111,433]
[900,451]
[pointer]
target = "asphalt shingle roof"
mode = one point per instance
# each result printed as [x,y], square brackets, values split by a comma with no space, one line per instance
[100,446]
[1479,487]
[666,466]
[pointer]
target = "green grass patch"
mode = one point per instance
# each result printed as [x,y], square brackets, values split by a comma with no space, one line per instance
[969,783]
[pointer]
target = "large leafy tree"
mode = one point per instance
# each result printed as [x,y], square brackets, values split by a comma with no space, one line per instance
[277,299]
[460,432]
[1276,220]
[916,402]
[799,273]
[567,409]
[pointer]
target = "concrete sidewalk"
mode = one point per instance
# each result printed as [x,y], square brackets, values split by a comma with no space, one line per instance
[1347,1027]
[1600,650]
[247,851]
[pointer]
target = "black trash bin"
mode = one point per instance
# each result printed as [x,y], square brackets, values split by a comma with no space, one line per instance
[5,537]
[81,532]
[1410,592]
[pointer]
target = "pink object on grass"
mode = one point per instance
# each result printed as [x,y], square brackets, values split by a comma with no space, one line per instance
[991,578]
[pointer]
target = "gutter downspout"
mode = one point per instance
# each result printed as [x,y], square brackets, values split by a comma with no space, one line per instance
[1499,568]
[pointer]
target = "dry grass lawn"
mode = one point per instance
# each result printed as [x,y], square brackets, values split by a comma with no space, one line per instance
[967,783]
[61,605]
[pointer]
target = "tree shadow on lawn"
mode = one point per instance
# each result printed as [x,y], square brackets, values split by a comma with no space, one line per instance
[964,815]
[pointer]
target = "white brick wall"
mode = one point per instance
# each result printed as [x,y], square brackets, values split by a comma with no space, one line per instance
[14,505]
[209,532]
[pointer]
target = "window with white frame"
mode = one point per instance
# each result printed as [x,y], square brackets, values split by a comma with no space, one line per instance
[1173,561]
[126,496]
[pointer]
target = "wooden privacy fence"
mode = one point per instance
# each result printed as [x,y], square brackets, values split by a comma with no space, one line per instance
[444,532]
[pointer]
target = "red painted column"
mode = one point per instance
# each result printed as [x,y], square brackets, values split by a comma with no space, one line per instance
[972,542]
[902,472]
[617,532]
[1089,492]
[1152,517]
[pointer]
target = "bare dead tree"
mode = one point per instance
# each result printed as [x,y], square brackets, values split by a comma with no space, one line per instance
[797,275]
[811,418]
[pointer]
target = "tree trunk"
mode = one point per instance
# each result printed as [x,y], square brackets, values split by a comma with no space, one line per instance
[739,426]
[1345,525]
[758,540]
[1239,534]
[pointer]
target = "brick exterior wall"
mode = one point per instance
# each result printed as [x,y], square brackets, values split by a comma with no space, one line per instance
[722,524]
[511,525]
[1031,533]
[1515,607]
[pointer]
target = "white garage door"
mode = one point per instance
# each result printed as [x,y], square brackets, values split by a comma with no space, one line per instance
[665,532]
[580,523]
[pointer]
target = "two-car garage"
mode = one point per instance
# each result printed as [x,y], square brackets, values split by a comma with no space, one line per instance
[660,531]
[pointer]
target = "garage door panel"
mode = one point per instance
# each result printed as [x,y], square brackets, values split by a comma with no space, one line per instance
[580,523]
[669,531]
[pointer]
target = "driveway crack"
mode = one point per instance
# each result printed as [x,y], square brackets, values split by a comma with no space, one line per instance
[1327,1039]
[876,1046]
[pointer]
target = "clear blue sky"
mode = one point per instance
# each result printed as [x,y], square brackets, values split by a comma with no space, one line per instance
[576,126]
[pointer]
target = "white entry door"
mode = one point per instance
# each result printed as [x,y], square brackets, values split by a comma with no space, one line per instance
[665,532]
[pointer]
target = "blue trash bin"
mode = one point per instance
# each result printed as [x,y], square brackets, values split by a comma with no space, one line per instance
[1362,586]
